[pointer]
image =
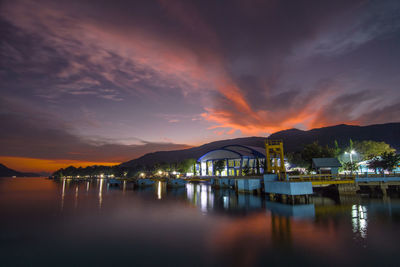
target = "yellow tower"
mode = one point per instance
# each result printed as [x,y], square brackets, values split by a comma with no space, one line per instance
[274,150]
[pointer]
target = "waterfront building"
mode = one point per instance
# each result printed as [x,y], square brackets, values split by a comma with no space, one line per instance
[326,165]
[237,159]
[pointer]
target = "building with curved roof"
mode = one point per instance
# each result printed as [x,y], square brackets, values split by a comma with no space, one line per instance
[237,159]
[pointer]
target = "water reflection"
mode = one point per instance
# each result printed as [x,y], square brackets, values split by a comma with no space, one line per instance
[300,211]
[62,194]
[101,193]
[205,225]
[359,216]
[227,201]
[200,195]
[76,196]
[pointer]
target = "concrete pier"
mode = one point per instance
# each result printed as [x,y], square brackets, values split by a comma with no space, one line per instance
[145,182]
[222,182]
[248,185]
[176,182]
[273,186]
[348,188]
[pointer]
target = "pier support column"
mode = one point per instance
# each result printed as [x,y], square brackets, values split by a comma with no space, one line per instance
[384,188]
[348,188]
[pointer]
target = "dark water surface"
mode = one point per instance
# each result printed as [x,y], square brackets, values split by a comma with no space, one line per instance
[48,223]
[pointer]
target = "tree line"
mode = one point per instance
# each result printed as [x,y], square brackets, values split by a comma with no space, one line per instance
[184,166]
[379,155]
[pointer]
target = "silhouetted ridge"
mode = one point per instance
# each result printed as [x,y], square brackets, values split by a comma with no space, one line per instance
[7,172]
[294,140]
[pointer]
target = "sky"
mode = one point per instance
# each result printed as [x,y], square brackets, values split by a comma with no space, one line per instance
[102,82]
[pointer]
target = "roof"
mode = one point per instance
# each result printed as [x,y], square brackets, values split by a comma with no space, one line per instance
[326,163]
[233,152]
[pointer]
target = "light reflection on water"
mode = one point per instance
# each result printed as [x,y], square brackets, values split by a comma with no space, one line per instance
[101,224]
[359,220]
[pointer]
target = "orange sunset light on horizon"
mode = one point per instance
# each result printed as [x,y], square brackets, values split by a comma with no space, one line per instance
[46,165]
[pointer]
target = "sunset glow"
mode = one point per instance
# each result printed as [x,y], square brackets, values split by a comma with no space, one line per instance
[46,165]
[109,83]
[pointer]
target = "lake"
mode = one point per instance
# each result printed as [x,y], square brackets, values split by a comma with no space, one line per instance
[66,223]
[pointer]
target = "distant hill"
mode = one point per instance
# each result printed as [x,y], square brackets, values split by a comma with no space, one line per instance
[7,172]
[294,140]
[194,152]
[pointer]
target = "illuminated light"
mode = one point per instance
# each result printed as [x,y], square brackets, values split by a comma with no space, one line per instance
[177,176]
[359,220]
[159,190]
[101,175]
[142,175]
[62,195]
[77,176]
[100,193]
[226,202]
[159,172]
[174,172]
[190,191]
[76,197]
[203,198]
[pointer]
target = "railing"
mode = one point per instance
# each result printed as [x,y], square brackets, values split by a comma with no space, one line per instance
[376,175]
[321,177]
[273,142]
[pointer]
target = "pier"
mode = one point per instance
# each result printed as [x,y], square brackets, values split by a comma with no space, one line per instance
[292,189]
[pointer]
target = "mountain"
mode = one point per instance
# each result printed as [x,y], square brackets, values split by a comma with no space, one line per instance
[194,152]
[293,139]
[7,172]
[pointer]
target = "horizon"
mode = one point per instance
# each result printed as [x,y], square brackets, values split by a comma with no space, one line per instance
[85,84]
[33,163]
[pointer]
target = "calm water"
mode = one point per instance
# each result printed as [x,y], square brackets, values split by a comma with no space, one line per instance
[50,223]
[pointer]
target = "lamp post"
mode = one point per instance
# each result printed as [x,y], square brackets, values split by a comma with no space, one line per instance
[351,159]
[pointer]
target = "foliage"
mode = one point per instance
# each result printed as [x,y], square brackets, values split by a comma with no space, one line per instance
[219,166]
[350,166]
[296,159]
[314,150]
[337,149]
[387,161]
[257,170]
[91,171]
[370,149]
[375,163]
[351,145]
[186,165]
[390,160]
[246,170]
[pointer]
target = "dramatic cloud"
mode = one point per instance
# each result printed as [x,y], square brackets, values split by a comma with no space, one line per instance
[190,71]
[31,133]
